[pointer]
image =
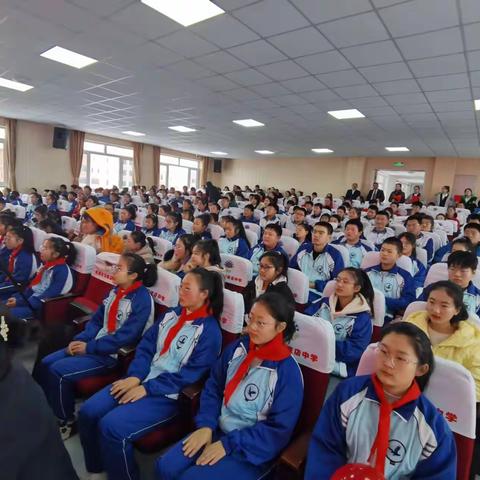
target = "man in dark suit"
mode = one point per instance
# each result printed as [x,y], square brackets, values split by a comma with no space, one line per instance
[353,193]
[375,194]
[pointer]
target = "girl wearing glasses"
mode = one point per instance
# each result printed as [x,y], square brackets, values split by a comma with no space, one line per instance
[118,322]
[384,420]
[350,310]
[176,351]
[249,406]
[446,323]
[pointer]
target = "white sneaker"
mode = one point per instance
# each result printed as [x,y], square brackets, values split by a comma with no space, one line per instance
[95,476]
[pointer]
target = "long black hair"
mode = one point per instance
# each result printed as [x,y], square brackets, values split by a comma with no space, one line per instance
[278,260]
[362,280]
[154,218]
[210,247]
[212,283]
[177,218]
[23,232]
[64,249]
[146,272]
[455,292]
[238,226]
[420,343]
[142,239]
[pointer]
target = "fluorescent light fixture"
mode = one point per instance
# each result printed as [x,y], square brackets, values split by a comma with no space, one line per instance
[133,133]
[322,150]
[343,114]
[264,152]
[73,59]
[181,129]
[477,104]
[21,87]
[397,149]
[219,153]
[248,122]
[185,12]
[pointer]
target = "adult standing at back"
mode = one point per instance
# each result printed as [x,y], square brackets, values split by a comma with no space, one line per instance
[213,192]
[469,200]
[375,194]
[444,198]
[398,195]
[353,193]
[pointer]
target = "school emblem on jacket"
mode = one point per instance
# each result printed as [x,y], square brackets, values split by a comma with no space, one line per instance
[181,341]
[251,392]
[395,452]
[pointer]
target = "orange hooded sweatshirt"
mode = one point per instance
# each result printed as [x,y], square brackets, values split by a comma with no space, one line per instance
[109,242]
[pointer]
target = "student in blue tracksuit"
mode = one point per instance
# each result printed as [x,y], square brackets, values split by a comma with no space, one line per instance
[235,241]
[413,225]
[126,219]
[53,278]
[176,351]
[21,262]
[52,199]
[349,309]
[271,241]
[410,250]
[35,201]
[462,244]
[271,216]
[200,227]
[72,199]
[119,321]
[248,215]
[319,261]
[151,225]
[357,247]
[396,283]
[380,230]
[472,232]
[249,406]
[173,227]
[408,438]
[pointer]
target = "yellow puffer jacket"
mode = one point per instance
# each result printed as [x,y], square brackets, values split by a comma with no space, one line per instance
[463,346]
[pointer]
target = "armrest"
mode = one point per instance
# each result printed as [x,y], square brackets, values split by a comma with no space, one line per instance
[60,297]
[126,351]
[295,454]
[79,321]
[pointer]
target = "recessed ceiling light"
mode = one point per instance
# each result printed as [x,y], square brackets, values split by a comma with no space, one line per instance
[264,152]
[21,87]
[73,59]
[219,153]
[477,104]
[397,149]
[181,129]
[185,12]
[342,114]
[133,133]
[322,150]
[249,122]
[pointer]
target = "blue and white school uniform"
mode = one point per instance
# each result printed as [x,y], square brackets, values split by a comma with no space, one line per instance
[206,235]
[56,280]
[52,207]
[152,232]
[376,237]
[441,255]
[73,205]
[255,425]
[419,273]
[353,331]
[248,220]
[397,285]
[421,445]
[264,221]
[60,371]
[356,252]
[128,225]
[426,243]
[258,250]
[172,237]
[108,430]
[24,268]
[234,246]
[319,269]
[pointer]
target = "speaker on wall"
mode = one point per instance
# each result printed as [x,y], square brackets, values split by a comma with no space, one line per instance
[60,137]
[217,166]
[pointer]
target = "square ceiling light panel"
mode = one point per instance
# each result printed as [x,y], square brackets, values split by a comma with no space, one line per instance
[345,114]
[248,122]
[13,85]
[67,57]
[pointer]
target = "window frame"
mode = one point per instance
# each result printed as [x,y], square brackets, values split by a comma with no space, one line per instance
[181,162]
[2,148]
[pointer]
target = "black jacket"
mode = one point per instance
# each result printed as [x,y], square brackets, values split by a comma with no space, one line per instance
[352,195]
[380,196]
[250,293]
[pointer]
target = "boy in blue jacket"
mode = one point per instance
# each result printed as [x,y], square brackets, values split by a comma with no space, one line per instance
[271,241]
[357,247]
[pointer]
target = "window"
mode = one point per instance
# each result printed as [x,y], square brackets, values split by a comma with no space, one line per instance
[106,165]
[176,172]
[2,166]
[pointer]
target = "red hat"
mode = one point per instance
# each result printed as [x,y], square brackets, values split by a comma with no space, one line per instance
[357,471]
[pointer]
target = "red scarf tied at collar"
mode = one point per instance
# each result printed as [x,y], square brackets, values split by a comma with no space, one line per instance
[11,259]
[38,277]
[275,351]
[378,453]
[112,313]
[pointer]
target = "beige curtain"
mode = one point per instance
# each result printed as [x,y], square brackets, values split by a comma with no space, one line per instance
[205,166]
[76,154]
[137,154]
[156,165]
[10,152]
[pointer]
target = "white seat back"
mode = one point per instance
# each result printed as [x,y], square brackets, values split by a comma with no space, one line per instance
[238,270]
[290,245]
[371,259]
[417,306]
[68,223]
[85,259]
[436,273]
[63,205]
[422,256]
[448,226]
[298,283]
[233,312]
[165,290]
[39,237]
[103,268]
[253,227]
[344,252]
[161,247]
[216,231]
[251,237]
[187,225]
[287,233]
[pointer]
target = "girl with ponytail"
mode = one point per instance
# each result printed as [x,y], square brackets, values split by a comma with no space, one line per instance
[176,351]
[120,321]
[350,310]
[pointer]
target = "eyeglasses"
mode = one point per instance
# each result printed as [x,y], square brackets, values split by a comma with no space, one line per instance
[398,360]
[117,268]
[257,324]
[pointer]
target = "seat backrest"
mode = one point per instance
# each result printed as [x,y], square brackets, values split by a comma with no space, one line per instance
[165,290]
[238,270]
[187,225]
[290,245]
[101,280]
[253,227]
[287,233]
[68,223]
[434,210]
[398,228]
[123,234]
[422,256]
[25,197]
[258,214]
[437,272]
[83,266]
[140,218]
[216,231]
[161,247]
[63,205]
[298,283]
[234,212]
[379,308]
[445,225]
[417,306]
[232,315]
[39,237]
[370,259]
[344,252]
[313,346]
[251,237]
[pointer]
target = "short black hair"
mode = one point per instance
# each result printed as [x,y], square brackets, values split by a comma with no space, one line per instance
[326,225]
[384,213]
[462,260]
[394,241]
[474,226]
[356,222]
[275,227]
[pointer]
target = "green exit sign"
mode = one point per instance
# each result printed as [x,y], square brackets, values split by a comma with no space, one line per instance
[398,164]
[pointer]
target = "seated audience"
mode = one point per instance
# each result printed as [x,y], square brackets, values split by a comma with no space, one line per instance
[235,241]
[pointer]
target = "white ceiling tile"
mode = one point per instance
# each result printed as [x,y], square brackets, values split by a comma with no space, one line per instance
[324,62]
[103,8]
[283,70]
[257,53]
[305,84]
[322,11]
[301,42]
[470,10]
[444,82]
[370,102]
[270,90]
[450,95]
[397,86]
[287,100]
[344,78]
[321,96]
[472,36]
[187,44]
[474,60]
[248,77]
[406,99]
[384,73]
[475,78]
[149,54]
[372,54]
[270,17]
[357,91]
[350,31]
[412,108]
[189,69]
[220,62]
[452,106]
[218,83]
[386,3]
[439,65]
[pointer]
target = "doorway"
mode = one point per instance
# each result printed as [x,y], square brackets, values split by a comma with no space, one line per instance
[409,179]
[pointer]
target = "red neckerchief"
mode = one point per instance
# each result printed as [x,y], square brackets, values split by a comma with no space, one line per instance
[38,277]
[112,313]
[380,445]
[201,312]
[275,351]
[11,259]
